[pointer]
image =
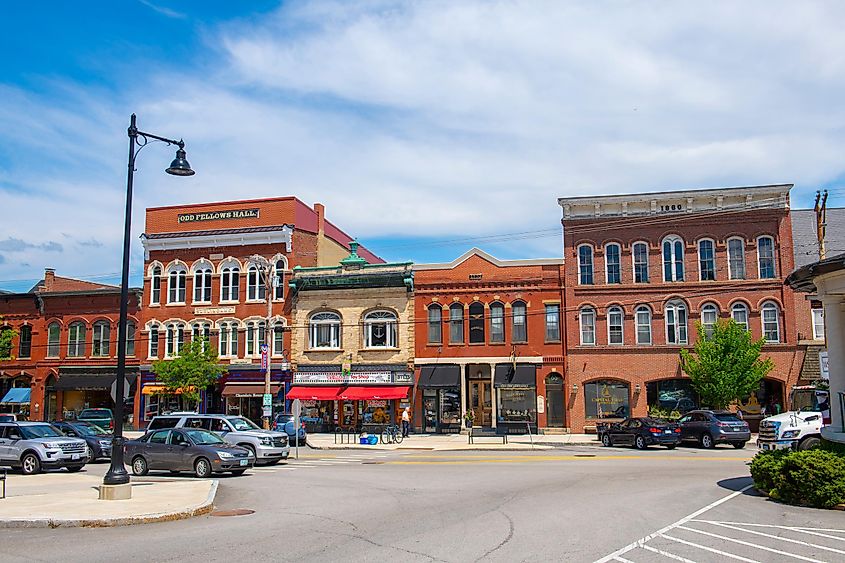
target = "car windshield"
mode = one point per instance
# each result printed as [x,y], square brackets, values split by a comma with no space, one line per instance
[726,417]
[241,423]
[40,431]
[204,437]
[95,413]
[89,430]
[6,418]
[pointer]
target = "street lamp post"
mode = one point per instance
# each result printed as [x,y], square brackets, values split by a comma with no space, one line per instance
[269,286]
[117,474]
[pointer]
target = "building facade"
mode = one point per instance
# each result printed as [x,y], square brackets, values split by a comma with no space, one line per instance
[203,279]
[489,343]
[352,343]
[645,268]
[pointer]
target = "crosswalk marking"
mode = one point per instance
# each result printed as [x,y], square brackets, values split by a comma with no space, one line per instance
[749,544]
[788,540]
[710,549]
[667,554]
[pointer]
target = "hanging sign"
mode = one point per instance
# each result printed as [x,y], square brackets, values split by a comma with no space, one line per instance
[264,356]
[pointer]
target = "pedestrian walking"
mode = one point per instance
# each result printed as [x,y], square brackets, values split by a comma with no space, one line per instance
[406,422]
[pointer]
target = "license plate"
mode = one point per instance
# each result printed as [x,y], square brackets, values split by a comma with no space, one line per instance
[244,462]
[667,431]
[74,457]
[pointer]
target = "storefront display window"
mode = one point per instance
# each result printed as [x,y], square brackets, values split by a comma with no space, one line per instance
[606,399]
[518,405]
[377,412]
[672,395]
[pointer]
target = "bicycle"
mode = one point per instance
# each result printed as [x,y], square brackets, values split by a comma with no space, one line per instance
[392,434]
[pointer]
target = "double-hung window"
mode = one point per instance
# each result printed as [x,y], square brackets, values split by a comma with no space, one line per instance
[202,284]
[640,256]
[588,327]
[456,324]
[736,259]
[585,264]
[380,329]
[739,313]
[230,283]
[552,323]
[176,280]
[613,263]
[766,257]
[100,341]
[673,259]
[435,318]
[771,323]
[709,316]
[643,315]
[706,260]
[615,320]
[676,323]
[519,329]
[497,323]
[155,286]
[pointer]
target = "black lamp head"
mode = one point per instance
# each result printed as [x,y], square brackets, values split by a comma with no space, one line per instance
[180,166]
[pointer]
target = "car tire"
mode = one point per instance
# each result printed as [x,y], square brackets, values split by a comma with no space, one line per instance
[139,466]
[707,441]
[30,464]
[810,442]
[739,445]
[202,468]
[606,441]
[640,443]
[671,446]
[251,448]
[238,472]
[74,468]
[91,457]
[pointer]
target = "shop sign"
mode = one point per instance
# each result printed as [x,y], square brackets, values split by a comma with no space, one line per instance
[247,395]
[214,310]
[379,403]
[338,377]
[307,402]
[240,362]
[541,404]
[264,356]
[217,215]
[403,377]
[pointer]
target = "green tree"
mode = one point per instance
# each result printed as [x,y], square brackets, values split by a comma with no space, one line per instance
[725,365]
[192,371]
[7,333]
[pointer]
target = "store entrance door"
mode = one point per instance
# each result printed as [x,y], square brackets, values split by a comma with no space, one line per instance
[481,402]
[554,400]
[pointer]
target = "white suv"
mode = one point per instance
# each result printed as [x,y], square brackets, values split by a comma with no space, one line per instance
[269,447]
[34,446]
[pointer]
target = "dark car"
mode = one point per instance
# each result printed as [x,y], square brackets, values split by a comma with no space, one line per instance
[98,440]
[186,449]
[640,433]
[285,421]
[709,428]
[101,417]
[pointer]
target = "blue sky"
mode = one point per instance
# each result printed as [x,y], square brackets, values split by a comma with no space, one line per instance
[425,127]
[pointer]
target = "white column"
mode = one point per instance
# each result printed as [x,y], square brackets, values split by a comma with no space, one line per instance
[493,394]
[834,321]
[463,368]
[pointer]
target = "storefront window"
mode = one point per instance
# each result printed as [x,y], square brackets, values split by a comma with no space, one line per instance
[606,399]
[450,407]
[378,412]
[518,405]
[672,395]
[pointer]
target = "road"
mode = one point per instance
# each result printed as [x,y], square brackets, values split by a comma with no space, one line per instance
[569,504]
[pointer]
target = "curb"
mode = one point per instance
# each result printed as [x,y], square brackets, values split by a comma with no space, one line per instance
[203,508]
[452,448]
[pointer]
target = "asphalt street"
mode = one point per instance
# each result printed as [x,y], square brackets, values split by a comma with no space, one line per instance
[568,504]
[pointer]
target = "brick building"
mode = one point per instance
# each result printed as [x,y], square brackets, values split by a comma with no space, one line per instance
[644,268]
[199,281]
[65,350]
[488,340]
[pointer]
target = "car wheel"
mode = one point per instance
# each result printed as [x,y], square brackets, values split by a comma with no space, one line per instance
[202,468]
[606,441]
[739,445]
[238,472]
[808,443]
[91,457]
[707,441]
[139,466]
[639,443]
[251,448]
[671,446]
[74,468]
[30,464]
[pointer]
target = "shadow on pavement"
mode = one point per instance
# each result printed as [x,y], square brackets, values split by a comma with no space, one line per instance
[739,483]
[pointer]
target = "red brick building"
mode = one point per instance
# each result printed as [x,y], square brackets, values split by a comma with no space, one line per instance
[64,349]
[199,280]
[488,341]
[644,268]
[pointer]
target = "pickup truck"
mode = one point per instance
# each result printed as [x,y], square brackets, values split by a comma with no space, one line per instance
[799,429]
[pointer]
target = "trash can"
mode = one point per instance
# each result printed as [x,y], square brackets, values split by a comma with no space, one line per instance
[364,440]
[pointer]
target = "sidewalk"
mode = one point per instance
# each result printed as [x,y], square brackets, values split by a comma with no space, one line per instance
[453,442]
[50,500]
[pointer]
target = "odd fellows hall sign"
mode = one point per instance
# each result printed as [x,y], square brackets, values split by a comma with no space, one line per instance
[216,215]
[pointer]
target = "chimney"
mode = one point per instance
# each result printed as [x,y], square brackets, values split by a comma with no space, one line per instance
[320,209]
[49,278]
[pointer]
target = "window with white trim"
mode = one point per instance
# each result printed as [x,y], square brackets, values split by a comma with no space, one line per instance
[380,329]
[255,335]
[324,330]
[615,322]
[497,323]
[76,340]
[640,257]
[100,339]
[552,322]
[155,286]
[152,341]
[818,324]
[709,316]
[176,283]
[278,338]
[201,331]
[279,281]
[435,316]
[456,323]
[587,320]
[643,320]
[130,338]
[202,284]
[736,259]
[174,339]
[673,259]
[228,339]
[739,313]
[519,328]
[770,315]
[230,282]
[54,332]
[676,322]
[706,260]
[256,288]
[613,263]
[766,257]
[585,264]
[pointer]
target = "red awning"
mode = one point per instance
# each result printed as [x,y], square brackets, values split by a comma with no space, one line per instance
[322,393]
[370,392]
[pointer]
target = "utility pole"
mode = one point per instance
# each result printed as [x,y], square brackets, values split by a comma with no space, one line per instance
[821,220]
[269,284]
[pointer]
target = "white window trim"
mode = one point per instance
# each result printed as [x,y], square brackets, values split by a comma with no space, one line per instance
[698,249]
[392,327]
[621,312]
[706,308]
[225,327]
[58,343]
[503,318]
[94,330]
[813,314]
[201,273]
[592,264]
[150,340]
[277,323]
[177,269]
[257,286]
[634,261]
[285,272]
[744,264]
[637,326]
[760,261]
[153,277]
[676,306]
[176,325]
[581,313]
[672,239]
[768,306]
[312,324]
[233,269]
[606,264]
[744,307]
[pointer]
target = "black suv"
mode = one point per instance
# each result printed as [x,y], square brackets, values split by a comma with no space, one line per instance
[709,428]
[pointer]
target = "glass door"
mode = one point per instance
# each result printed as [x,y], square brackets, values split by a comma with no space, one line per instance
[430,411]
[481,402]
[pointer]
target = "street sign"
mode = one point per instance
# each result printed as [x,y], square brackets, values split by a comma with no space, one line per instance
[268,400]
[296,407]
[114,389]
[264,356]
[268,411]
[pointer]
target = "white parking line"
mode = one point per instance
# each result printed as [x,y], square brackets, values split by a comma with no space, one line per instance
[667,554]
[749,544]
[788,540]
[710,549]
[622,560]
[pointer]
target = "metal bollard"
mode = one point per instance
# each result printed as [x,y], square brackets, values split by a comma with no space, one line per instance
[3,482]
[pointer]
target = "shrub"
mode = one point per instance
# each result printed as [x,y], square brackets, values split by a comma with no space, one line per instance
[766,467]
[811,478]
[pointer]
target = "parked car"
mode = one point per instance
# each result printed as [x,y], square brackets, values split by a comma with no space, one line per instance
[709,428]
[268,447]
[34,446]
[101,417]
[186,449]
[97,439]
[5,417]
[284,423]
[640,433]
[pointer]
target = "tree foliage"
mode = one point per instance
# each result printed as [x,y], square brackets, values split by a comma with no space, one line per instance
[192,371]
[725,365]
[7,334]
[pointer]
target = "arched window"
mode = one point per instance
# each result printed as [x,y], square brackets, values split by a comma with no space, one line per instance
[202,284]
[76,340]
[739,313]
[174,339]
[155,286]
[456,323]
[736,259]
[279,281]
[176,280]
[278,338]
[7,333]
[201,331]
[130,338]
[706,260]
[613,263]
[497,323]
[228,338]
[770,315]
[476,323]
[673,259]
[380,329]
[324,329]
[519,330]
[435,317]
[615,321]
[587,320]
[100,341]
[676,322]
[709,316]
[256,288]
[255,335]
[54,332]
[640,257]
[643,319]
[25,341]
[766,257]
[585,264]
[230,281]
[152,340]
